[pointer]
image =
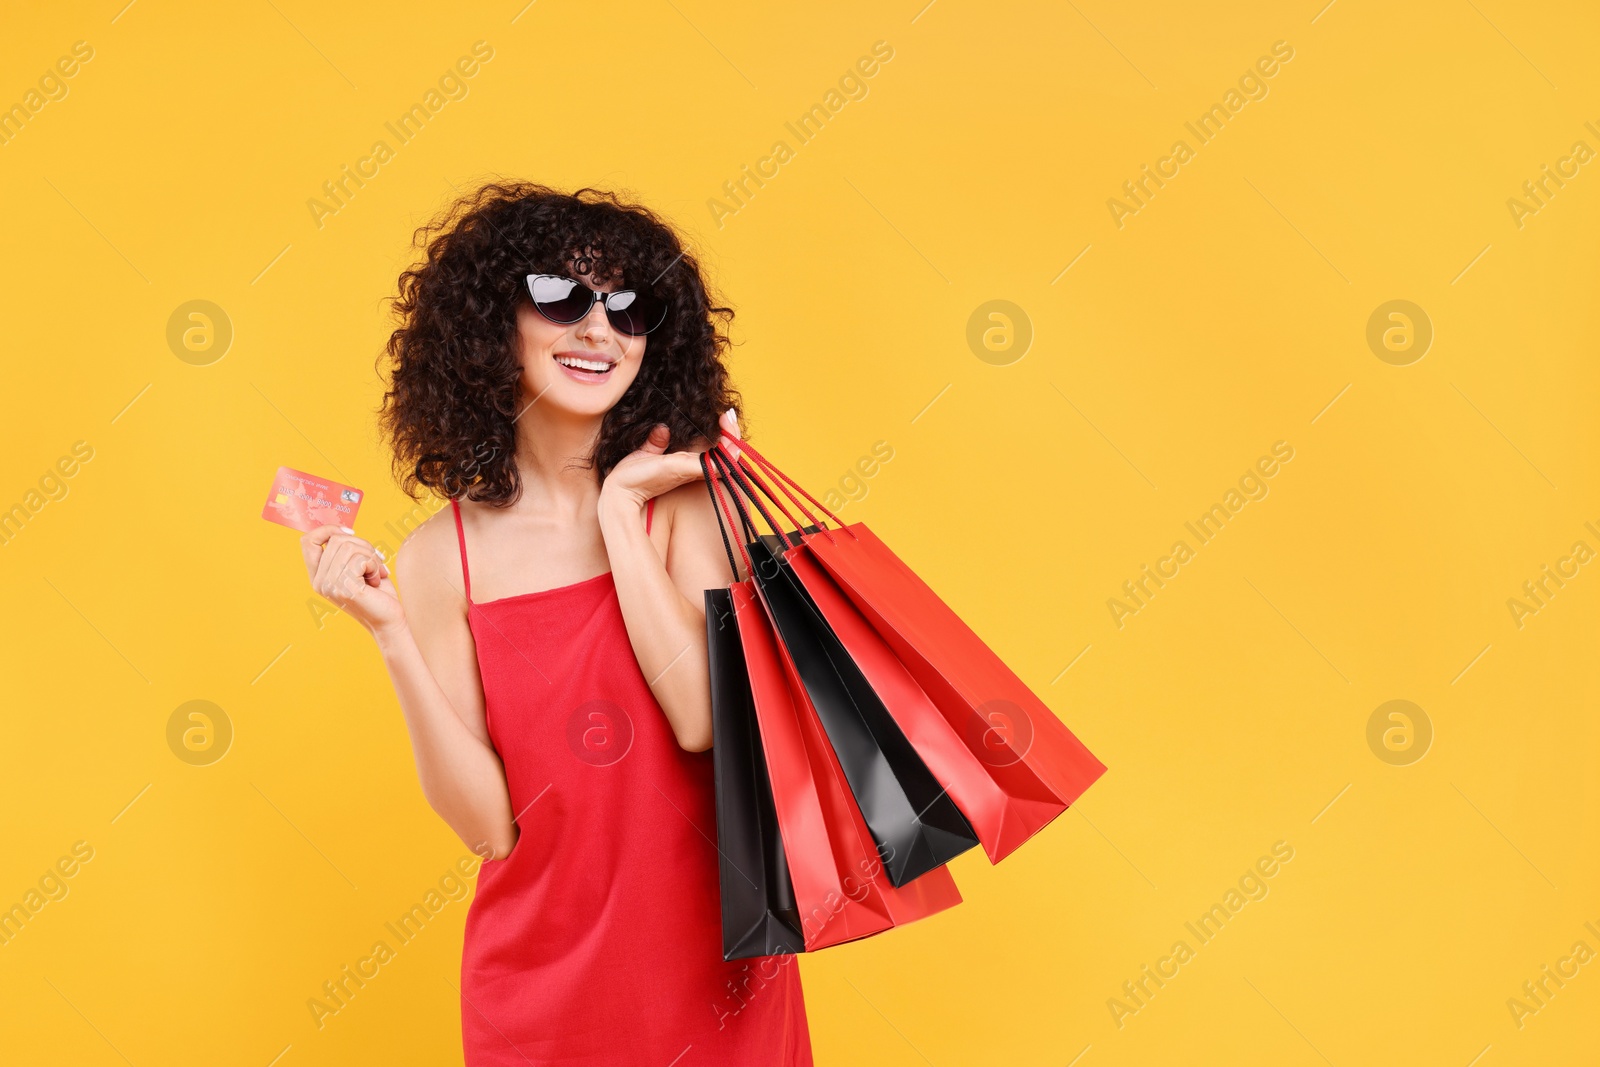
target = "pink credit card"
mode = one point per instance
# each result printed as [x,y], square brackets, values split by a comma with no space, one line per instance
[303,501]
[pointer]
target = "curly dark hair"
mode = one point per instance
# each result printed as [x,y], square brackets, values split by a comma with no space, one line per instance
[454,358]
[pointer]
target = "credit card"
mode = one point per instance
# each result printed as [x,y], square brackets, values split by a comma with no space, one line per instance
[303,501]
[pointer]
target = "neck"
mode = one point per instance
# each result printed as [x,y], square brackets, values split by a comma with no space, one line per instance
[553,449]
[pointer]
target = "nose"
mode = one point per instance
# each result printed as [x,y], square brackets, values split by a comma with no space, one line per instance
[595,325]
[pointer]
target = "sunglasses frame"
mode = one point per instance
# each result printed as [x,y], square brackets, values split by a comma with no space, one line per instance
[595,295]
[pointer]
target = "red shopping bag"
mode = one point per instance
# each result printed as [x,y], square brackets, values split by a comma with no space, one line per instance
[1009,764]
[841,887]
[910,815]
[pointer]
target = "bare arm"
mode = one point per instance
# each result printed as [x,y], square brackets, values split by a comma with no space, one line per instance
[431,658]
[663,601]
[662,592]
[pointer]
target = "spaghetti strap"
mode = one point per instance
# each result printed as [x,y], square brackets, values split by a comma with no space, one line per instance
[649,512]
[461,538]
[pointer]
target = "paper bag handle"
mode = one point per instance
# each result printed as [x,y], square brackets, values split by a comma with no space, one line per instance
[781,478]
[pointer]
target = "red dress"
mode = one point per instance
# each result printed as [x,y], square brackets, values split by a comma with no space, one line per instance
[598,940]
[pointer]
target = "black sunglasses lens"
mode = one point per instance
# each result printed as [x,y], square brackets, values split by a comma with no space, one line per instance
[560,299]
[635,313]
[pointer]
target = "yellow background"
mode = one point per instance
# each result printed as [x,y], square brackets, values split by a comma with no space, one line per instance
[1228,314]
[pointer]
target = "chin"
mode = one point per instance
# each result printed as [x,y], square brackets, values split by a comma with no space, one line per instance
[576,398]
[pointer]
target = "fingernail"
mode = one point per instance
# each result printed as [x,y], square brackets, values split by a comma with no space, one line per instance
[347,529]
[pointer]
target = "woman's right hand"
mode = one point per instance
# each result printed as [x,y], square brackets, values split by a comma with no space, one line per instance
[349,572]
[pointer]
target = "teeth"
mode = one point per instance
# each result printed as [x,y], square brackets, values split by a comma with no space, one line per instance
[583,364]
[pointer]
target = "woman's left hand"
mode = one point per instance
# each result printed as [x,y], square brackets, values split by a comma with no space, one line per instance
[651,470]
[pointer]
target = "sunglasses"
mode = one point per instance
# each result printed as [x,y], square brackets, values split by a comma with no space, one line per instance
[566,300]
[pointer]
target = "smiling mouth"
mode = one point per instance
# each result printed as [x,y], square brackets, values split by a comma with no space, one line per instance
[587,370]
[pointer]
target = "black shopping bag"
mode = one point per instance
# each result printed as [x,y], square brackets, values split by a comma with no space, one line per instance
[759,913]
[913,821]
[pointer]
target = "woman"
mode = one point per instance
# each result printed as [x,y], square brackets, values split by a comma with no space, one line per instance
[550,657]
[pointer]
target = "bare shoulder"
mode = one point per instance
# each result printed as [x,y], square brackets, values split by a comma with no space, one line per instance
[690,503]
[427,565]
[691,500]
[695,551]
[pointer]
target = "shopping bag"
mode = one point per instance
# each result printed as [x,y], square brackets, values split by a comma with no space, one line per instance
[841,887]
[1009,764]
[759,916]
[915,824]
